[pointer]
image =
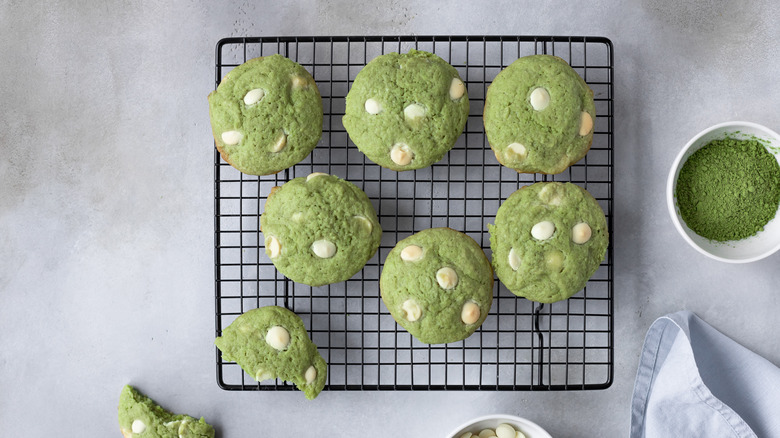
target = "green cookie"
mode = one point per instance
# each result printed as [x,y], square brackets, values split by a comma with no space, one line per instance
[405,111]
[319,229]
[548,240]
[141,417]
[438,285]
[266,115]
[271,342]
[539,115]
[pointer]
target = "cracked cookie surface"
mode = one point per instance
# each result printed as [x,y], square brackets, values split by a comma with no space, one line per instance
[405,111]
[549,238]
[319,229]
[266,115]
[438,285]
[539,115]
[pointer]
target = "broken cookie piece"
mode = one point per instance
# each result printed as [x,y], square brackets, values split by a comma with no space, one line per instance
[271,342]
[141,417]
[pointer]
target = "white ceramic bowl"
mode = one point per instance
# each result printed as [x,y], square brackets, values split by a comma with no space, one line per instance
[747,250]
[529,428]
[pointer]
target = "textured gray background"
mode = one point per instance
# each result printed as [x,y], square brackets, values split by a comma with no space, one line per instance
[106,208]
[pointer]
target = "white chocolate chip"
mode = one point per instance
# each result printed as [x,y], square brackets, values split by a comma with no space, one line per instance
[127,433]
[373,106]
[263,374]
[465,435]
[231,137]
[138,426]
[516,152]
[520,435]
[581,233]
[412,311]
[299,82]
[411,253]
[543,230]
[470,313]
[297,217]
[315,175]
[487,433]
[504,430]
[447,278]
[365,223]
[323,249]
[183,427]
[254,96]
[514,259]
[551,194]
[564,162]
[278,337]
[311,374]
[554,261]
[457,89]
[586,123]
[273,247]
[414,112]
[401,154]
[281,142]
[540,99]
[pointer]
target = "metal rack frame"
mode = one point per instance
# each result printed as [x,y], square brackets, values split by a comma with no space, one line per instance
[522,345]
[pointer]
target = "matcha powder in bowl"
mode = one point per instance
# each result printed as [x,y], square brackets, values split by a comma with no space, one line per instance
[729,189]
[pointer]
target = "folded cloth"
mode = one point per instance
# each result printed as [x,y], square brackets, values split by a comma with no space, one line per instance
[693,381]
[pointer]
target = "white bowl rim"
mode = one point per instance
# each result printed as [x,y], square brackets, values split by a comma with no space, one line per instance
[670,189]
[537,431]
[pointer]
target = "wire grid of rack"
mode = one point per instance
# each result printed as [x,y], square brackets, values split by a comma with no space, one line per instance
[522,345]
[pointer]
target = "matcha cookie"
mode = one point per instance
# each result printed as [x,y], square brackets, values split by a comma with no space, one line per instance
[266,115]
[548,240]
[438,285]
[140,416]
[319,229]
[539,115]
[271,342]
[405,111]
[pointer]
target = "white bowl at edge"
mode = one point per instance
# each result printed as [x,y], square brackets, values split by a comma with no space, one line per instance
[529,428]
[753,248]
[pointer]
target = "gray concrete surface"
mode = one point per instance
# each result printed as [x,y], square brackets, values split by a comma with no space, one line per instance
[106,208]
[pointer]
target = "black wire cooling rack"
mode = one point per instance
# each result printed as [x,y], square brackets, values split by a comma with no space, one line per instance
[522,345]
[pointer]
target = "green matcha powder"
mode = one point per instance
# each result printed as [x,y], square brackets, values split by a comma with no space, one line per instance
[729,189]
